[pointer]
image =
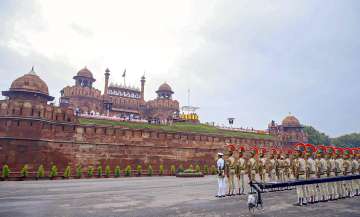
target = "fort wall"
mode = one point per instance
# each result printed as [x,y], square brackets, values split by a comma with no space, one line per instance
[38,134]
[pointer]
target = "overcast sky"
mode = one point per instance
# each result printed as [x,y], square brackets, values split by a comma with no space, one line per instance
[252,60]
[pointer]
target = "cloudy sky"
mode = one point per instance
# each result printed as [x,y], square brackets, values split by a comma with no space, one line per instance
[252,60]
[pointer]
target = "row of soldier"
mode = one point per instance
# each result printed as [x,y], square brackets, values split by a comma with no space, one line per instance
[298,163]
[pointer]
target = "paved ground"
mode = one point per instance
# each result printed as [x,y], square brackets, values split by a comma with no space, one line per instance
[149,196]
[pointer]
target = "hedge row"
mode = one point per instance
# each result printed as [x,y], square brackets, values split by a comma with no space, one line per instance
[99,172]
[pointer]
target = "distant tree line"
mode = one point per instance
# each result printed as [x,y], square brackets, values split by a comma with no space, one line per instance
[317,137]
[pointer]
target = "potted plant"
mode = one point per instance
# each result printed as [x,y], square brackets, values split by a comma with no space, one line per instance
[172,170]
[40,174]
[197,168]
[128,171]
[206,169]
[213,170]
[117,171]
[5,172]
[67,172]
[150,170]
[90,172]
[78,172]
[138,170]
[107,171]
[24,172]
[161,170]
[99,171]
[53,172]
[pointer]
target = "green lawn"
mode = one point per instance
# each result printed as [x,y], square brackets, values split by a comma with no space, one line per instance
[177,127]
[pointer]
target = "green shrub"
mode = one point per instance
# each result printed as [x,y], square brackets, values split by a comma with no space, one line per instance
[24,171]
[99,171]
[172,170]
[67,172]
[206,169]
[191,167]
[90,171]
[180,169]
[138,170]
[128,170]
[197,168]
[117,171]
[107,171]
[161,170]
[78,171]
[40,172]
[213,170]
[5,171]
[150,171]
[53,171]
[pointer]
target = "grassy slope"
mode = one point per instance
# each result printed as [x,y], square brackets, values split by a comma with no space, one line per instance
[177,127]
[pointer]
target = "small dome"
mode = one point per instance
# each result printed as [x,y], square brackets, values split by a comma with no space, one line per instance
[85,73]
[165,87]
[30,83]
[291,121]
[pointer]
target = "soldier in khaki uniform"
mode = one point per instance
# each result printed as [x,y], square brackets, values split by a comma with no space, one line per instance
[230,170]
[271,166]
[331,172]
[355,171]
[310,172]
[299,166]
[322,173]
[252,165]
[347,171]
[281,167]
[262,164]
[241,170]
[287,165]
[339,170]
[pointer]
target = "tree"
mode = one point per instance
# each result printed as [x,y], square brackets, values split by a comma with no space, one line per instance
[128,170]
[348,140]
[91,171]
[197,168]
[206,169]
[316,137]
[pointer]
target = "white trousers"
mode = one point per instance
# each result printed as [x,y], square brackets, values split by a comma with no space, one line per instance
[221,186]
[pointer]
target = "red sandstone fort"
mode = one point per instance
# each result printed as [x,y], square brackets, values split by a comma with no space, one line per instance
[34,131]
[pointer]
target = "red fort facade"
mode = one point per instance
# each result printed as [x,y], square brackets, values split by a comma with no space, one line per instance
[34,132]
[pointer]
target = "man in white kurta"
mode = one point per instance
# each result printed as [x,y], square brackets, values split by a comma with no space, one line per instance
[220,163]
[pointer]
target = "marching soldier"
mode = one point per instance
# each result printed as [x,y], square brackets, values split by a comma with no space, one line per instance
[262,164]
[310,172]
[339,168]
[241,170]
[299,173]
[331,172]
[221,175]
[230,170]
